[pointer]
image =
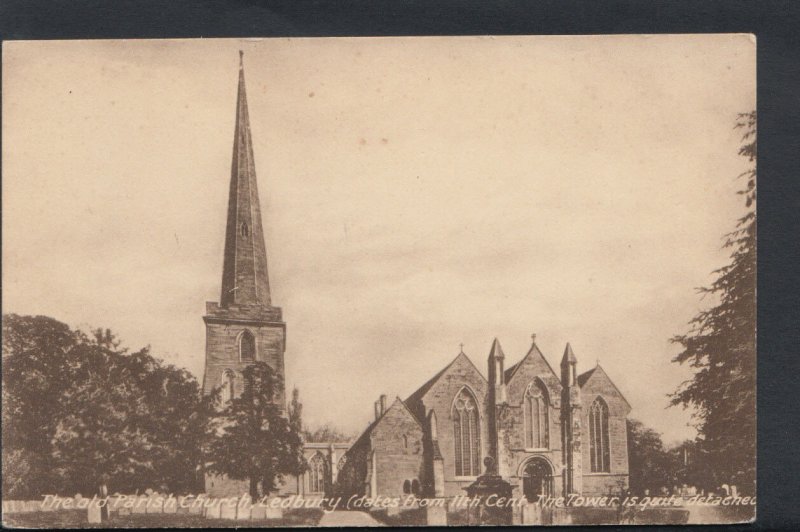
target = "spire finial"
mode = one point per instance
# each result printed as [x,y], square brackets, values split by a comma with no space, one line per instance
[597,362]
[461,346]
[241,59]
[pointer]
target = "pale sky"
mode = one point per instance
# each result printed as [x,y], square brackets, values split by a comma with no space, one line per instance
[417,193]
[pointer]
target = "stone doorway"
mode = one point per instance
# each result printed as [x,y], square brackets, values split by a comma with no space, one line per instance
[537,479]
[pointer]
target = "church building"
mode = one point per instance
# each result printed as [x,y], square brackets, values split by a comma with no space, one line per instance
[549,433]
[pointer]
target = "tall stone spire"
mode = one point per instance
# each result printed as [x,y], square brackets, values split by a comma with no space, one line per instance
[245,280]
[243,327]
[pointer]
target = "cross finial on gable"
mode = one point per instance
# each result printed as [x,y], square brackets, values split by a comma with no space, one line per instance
[461,346]
[533,338]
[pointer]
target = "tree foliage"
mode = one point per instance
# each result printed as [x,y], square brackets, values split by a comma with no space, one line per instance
[650,465]
[720,348]
[326,434]
[79,411]
[295,411]
[252,439]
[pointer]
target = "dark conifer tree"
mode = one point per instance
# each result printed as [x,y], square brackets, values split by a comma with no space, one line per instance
[720,347]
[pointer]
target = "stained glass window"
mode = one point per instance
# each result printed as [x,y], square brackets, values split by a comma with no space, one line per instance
[536,411]
[598,436]
[466,435]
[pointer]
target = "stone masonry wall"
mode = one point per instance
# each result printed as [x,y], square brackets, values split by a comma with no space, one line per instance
[439,398]
[513,452]
[397,462]
[222,350]
[599,385]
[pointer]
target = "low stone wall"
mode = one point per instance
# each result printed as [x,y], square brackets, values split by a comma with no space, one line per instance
[149,504]
[10,507]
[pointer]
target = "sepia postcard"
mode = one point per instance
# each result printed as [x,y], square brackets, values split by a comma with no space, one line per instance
[408,281]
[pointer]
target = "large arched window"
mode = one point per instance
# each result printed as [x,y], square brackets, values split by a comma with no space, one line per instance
[466,434]
[247,347]
[316,474]
[598,436]
[536,410]
[228,386]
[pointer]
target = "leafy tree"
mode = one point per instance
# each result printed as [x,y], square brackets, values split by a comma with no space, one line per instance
[252,439]
[36,366]
[689,464]
[295,411]
[720,348]
[651,467]
[80,412]
[326,433]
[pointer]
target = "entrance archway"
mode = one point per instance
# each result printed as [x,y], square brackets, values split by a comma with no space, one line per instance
[537,479]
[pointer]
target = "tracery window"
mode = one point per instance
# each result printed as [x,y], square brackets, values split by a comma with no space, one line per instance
[247,347]
[536,412]
[466,434]
[316,474]
[598,437]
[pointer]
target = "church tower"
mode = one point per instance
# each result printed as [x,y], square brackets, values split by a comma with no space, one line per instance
[244,326]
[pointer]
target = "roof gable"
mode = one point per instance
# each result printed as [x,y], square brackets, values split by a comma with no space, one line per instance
[534,356]
[596,379]
[459,360]
[398,403]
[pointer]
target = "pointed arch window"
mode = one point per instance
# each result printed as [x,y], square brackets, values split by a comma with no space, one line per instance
[316,474]
[247,347]
[245,229]
[536,407]
[466,434]
[598,437]
[228,386]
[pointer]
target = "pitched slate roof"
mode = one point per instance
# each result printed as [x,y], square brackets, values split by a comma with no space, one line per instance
[422,390]
[583,377]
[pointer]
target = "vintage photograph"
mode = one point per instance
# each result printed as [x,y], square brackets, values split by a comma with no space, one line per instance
[407,281]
